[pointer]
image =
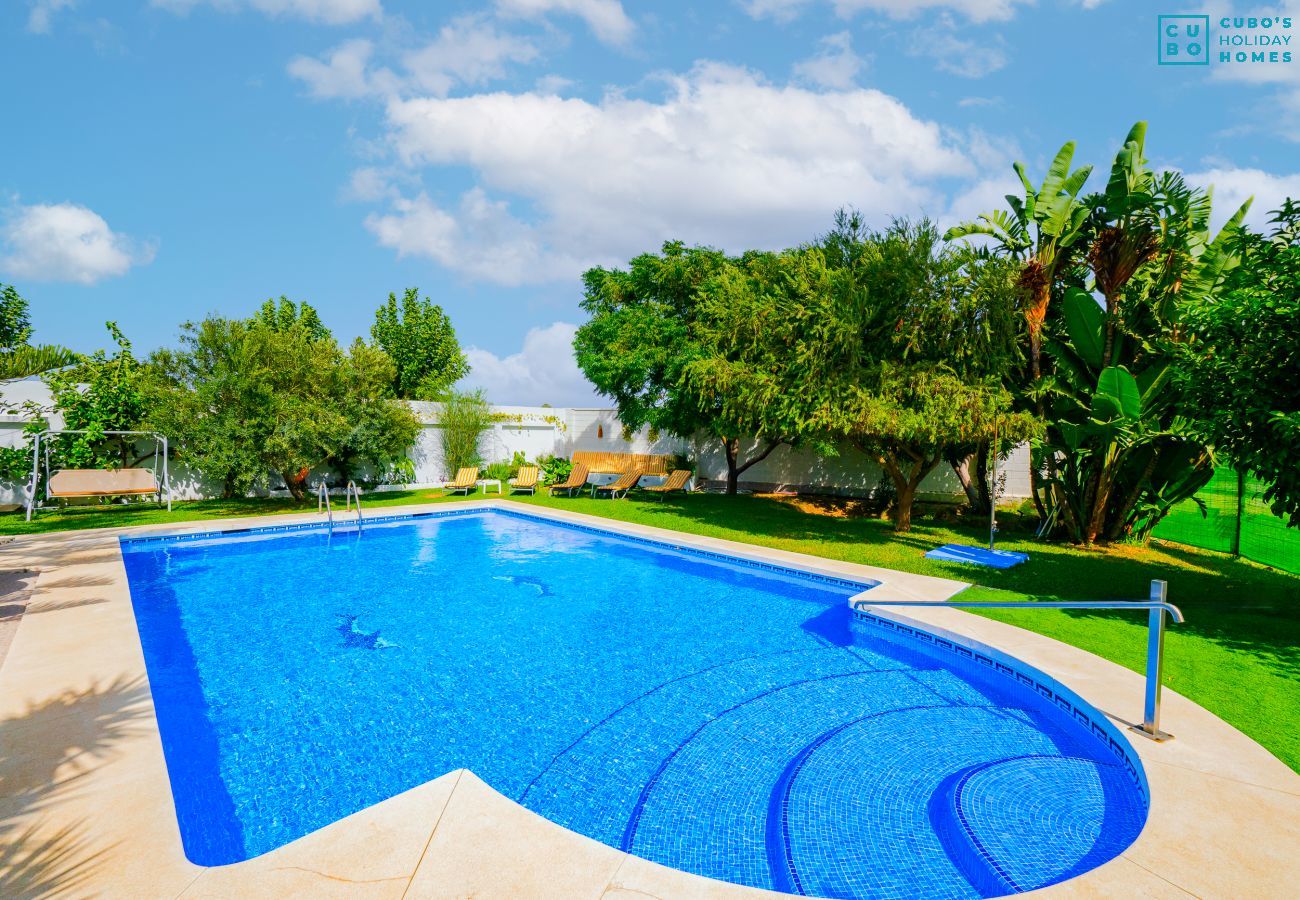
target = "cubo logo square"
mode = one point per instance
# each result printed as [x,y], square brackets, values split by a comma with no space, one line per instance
[1184,41]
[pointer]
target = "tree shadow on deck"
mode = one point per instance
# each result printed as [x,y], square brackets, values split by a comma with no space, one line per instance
[45,756]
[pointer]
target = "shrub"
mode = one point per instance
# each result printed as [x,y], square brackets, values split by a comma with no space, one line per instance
[466,416]
[555,469]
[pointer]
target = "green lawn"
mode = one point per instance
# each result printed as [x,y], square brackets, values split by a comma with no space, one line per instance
[1238,653]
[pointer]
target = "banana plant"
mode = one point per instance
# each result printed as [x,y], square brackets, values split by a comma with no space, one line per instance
[1042,229]
[1122,456]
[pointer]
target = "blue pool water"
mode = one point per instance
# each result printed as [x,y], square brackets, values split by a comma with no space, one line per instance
[725,718]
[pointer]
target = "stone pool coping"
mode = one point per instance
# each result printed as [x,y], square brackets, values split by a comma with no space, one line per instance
[85,798]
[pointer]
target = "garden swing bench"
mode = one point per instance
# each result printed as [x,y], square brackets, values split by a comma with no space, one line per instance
[67,483]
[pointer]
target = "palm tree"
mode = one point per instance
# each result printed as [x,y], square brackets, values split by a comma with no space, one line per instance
[18,358]
[28,360]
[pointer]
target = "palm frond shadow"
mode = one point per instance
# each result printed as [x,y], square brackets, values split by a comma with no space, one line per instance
[45,755]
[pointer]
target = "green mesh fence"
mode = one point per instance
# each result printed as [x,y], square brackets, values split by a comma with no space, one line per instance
[1236,520]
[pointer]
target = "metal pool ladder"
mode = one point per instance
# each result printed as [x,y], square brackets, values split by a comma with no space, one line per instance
[350,492]
[1156,604]
[323,501]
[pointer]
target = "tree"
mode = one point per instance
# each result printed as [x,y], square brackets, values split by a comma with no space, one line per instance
[832,344]
[244,399]
[285,315]
[1117,454]
[420,340]
[101,393]
[646,328]
[18,357]
[381,428]
[1241,363]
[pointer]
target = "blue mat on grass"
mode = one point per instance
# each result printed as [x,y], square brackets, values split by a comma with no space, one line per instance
[979,556]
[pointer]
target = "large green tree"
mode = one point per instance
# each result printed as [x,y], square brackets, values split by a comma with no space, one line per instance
[245,399]
[644,330]
[835,343]
[1243,360]
[418,336]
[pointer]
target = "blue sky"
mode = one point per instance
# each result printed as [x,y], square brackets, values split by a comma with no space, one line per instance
[165,159]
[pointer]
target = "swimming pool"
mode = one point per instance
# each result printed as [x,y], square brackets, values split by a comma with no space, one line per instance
[728,718]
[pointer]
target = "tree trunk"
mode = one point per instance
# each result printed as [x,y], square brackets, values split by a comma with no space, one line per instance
[731,446]
[906,496]
[295,481]
[973,474]
[906,482]
[1098,498]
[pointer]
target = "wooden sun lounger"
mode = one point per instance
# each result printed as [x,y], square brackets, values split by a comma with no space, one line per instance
[526,480]
[102,482]
[466,481]
[624,484]
[576,482]
[674,482]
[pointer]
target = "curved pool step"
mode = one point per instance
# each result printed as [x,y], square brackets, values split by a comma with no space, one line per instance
[1007,834]
[788,806]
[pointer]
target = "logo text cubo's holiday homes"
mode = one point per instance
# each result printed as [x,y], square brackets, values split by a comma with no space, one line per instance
[1195,40]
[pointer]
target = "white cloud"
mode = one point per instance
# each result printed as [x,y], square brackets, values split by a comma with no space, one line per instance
[468,50]
[963,57]
[834,66]
[725,158]
[1233,185]
[605,18]
[479,238]
[345,73]
[327,12]
[777,10]
[552,84]
[983,196]
[974,10]
[66,242]
[543,371]
[39,19]
[370,184]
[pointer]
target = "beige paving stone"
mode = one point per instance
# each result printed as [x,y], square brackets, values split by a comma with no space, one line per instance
[372,853]
[488,846]
[1220,838]
[86,808]
[1120,877]
[637,879]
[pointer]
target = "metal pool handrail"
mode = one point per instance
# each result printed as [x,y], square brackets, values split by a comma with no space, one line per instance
[1156,604]
[353,491]
[323,500]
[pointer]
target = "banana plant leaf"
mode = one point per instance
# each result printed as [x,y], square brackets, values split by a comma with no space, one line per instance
[1117,397]
[1084,323]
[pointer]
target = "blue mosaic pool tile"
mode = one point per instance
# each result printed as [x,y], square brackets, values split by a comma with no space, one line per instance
[725,717]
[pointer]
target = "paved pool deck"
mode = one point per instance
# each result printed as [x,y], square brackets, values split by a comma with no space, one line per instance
[86,806]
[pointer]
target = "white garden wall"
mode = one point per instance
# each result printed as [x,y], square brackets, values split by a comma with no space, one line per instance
[542,430]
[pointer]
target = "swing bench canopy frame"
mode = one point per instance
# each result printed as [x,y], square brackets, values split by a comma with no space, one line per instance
[99,482]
